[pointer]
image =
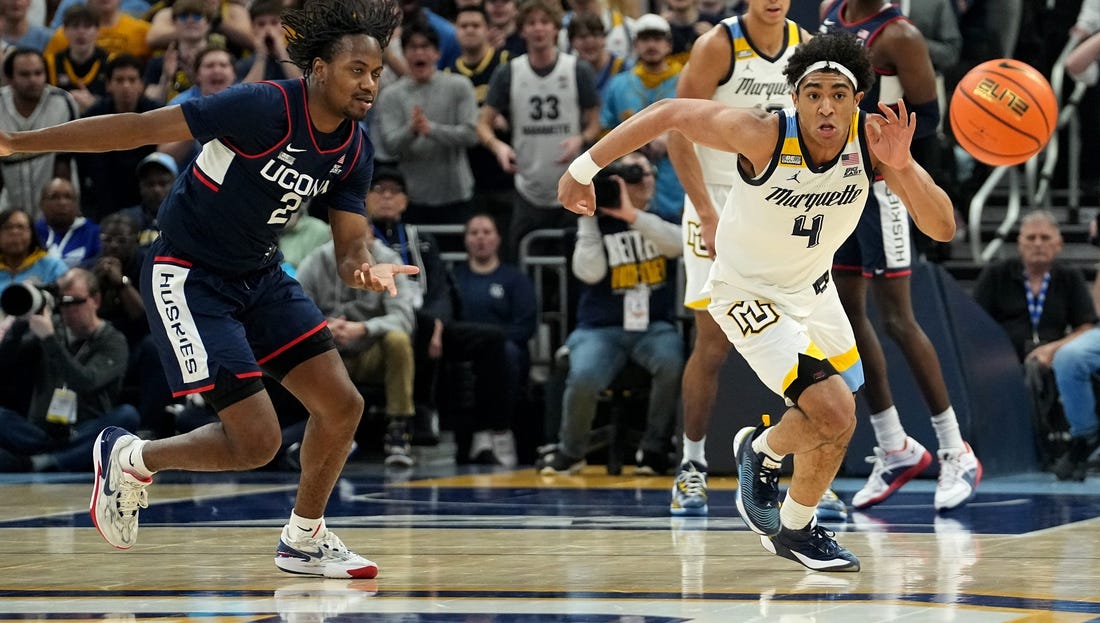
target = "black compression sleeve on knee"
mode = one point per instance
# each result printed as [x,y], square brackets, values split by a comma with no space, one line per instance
[810,370]
[229,390]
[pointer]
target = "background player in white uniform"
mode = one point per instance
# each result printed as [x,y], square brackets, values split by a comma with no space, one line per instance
[739,62]
[771,293]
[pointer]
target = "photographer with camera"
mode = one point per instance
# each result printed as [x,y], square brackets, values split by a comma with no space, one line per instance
[77,361]
[269,60]
[625,312]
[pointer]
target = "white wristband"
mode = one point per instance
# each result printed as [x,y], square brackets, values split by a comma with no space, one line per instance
[584,168]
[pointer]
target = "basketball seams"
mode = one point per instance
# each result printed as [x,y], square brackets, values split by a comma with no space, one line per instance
[1035,98]
[1011,90]
[973,145]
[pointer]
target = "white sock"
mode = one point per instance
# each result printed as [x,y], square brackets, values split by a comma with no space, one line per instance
[946,425]
[132,460]
[696,450]
[889,432]
[795,516]
[303,528]
[760,444]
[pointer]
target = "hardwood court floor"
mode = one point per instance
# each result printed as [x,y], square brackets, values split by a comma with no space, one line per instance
[513,547]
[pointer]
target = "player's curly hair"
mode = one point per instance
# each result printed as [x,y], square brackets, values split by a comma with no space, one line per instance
[315,30]
[840,47]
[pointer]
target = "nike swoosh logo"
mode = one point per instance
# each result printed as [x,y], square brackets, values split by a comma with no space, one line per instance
[106,483]
[292,150]
[304,529]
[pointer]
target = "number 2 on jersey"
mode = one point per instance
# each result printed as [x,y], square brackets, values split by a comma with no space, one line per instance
[291,203]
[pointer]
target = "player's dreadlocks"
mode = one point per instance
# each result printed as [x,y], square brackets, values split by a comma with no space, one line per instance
[315,30]
[840,47]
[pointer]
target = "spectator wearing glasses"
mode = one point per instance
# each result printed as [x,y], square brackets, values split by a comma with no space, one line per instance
[78,361]
[228,20]
[64,233]
[172,72]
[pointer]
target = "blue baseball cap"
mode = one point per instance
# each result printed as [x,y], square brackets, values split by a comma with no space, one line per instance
[160,159]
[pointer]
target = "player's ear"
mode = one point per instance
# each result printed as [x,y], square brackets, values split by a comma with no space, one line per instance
[859,96]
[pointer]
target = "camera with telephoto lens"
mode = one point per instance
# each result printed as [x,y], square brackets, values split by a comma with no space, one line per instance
[607,189]
[22,299]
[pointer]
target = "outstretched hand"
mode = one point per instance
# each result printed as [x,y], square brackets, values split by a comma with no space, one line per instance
[382,276]
[890,135]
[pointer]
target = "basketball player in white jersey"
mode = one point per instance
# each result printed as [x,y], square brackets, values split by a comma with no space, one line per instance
[803,177]
[739,62]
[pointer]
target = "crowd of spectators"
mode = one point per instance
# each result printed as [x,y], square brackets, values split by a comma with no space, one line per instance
[483,105]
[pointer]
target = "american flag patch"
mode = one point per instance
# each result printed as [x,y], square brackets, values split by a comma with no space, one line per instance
[849,159]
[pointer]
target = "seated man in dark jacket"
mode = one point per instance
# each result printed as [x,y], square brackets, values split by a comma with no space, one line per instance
[78,361]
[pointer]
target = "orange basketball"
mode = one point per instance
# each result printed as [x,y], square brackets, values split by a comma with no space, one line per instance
[1003,112]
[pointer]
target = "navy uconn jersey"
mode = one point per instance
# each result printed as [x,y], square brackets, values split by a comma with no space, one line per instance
[887,88]
[261,161]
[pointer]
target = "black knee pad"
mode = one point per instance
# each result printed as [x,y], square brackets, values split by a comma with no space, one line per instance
[281,365]
[810,370]
[229,390]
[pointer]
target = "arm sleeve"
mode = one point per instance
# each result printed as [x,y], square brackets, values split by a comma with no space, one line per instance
[589,259]
[665,235]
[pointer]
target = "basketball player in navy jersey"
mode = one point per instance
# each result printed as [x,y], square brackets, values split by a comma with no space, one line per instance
[878,257]
[221,310]
[801,183]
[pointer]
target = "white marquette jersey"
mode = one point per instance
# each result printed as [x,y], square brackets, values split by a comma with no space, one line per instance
[545,110]
[780,229]
[755,80]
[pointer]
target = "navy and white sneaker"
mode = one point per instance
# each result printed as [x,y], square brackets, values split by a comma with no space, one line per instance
[812,547]
[321,554]
[689,490]
[890,471]
[117,494]
[757,483]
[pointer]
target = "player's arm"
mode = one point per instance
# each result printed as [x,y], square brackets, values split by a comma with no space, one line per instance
[889,137]
[354,261]
[750,132]
[102,133]
[908,54]
[699,78]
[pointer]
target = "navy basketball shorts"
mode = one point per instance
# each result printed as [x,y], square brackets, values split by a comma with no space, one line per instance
[205,324]
[880,246]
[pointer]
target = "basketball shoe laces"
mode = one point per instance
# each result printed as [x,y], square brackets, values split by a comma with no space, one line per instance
[692,483]
[766,486]
[823,540]
[131,496]
[951,469]
[332,546]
